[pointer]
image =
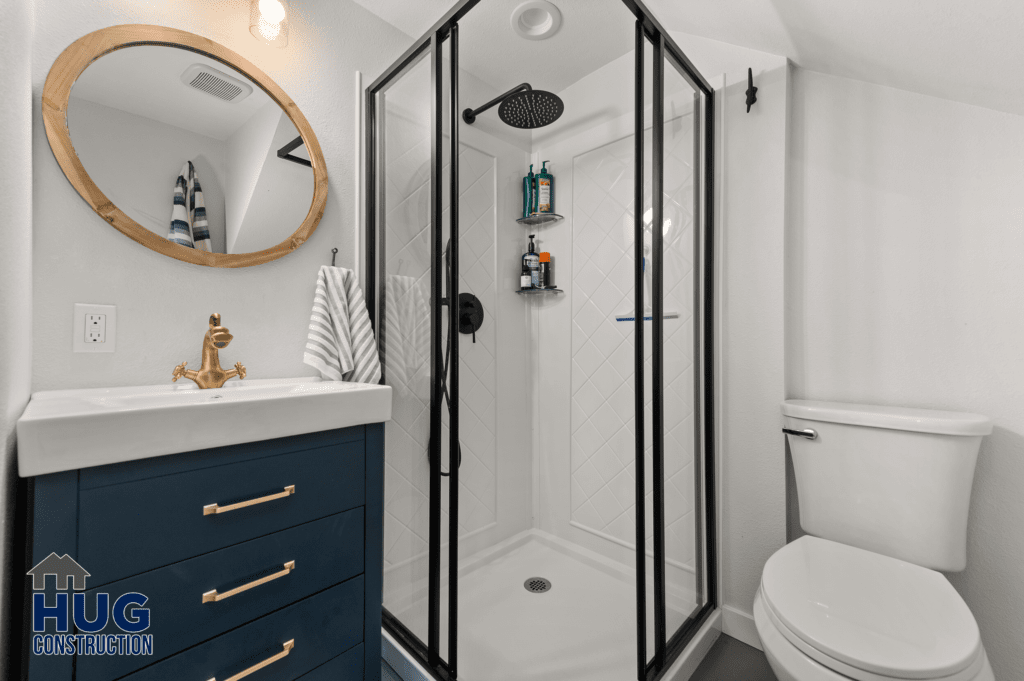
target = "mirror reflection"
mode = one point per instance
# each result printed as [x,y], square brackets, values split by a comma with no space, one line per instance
[189,147]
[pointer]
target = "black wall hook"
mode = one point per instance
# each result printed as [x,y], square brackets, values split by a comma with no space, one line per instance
[334,255]
[751,90]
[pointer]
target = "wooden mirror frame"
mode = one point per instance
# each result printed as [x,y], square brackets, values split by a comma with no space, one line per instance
[87,49]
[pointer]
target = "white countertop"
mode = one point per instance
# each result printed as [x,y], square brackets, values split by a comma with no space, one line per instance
[70,429]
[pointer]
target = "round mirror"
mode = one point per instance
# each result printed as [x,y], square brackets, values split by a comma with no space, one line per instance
[184,146]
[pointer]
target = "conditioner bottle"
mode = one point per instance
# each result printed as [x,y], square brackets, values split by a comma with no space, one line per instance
[545,183]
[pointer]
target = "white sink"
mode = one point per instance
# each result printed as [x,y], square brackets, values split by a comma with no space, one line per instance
[69,429]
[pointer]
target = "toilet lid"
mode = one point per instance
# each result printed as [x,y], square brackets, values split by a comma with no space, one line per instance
[872,612]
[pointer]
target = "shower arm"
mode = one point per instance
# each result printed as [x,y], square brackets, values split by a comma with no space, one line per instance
[469,115]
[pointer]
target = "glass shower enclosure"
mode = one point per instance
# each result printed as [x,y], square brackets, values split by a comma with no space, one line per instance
[549,468]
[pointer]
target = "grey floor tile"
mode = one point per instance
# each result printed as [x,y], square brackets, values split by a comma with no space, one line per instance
[732,660]
[387,673]
[728,660]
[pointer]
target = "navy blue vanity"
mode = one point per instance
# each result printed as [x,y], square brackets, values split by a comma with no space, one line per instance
[263,558]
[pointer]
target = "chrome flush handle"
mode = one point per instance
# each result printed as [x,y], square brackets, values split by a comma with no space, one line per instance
[806,432]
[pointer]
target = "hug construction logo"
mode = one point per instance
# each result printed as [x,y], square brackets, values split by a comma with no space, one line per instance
[126,613]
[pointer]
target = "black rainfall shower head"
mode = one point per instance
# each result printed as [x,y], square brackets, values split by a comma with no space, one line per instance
[531,109]
[522,107]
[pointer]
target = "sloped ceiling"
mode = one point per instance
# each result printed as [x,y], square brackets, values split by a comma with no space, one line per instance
[971,52]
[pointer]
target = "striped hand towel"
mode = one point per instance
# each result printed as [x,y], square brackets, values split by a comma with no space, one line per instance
[189,226]
[340,344]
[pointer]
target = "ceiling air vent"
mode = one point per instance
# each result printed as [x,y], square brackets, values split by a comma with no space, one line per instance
[213,82]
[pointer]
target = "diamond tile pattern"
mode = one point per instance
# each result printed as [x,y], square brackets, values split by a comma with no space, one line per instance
[406,343]
[602,423]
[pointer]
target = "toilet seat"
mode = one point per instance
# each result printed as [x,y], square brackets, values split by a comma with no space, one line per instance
[868,616]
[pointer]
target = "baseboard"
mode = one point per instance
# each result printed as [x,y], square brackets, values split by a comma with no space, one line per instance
[686,664]
[740,625]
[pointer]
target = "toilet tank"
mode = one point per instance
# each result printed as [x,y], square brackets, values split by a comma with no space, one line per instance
[891,480]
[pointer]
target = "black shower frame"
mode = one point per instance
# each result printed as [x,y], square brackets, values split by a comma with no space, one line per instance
[664,49]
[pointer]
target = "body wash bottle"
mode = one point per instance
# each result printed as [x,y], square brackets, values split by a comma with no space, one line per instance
[531,262]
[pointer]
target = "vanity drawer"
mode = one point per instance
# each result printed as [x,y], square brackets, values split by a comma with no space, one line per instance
[299,562]
[320,627]
[130,528]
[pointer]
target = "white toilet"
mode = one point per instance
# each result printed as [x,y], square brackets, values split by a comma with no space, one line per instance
[884,494]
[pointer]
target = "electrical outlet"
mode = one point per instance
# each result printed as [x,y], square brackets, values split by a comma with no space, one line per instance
[94,328]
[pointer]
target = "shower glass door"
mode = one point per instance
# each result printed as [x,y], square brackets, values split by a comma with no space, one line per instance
[413,268]
[676,227]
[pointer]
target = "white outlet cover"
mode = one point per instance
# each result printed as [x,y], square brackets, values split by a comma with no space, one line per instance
[81,311]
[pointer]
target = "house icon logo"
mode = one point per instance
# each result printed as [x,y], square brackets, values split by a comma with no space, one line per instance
[64,568]
[60,624]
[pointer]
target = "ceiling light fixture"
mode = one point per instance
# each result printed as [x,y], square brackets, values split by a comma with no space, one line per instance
[536,20]
[268,21]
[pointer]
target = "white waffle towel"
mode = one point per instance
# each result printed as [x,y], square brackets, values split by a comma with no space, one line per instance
[340,344]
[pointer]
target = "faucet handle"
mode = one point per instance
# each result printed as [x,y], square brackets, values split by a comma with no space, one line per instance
[214,319]
[179,371]
[241,370]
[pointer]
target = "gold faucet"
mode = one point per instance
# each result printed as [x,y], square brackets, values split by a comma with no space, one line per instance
[210,375]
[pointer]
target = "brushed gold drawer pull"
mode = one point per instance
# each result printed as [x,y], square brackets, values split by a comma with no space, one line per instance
[214,509]
[213,596]
[286,648]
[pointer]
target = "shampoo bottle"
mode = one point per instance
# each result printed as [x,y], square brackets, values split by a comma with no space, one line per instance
[529,193]
[545,190]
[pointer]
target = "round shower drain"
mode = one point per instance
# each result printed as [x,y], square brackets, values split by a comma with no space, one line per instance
[537,585]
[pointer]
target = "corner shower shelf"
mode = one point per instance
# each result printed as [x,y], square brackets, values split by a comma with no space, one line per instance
[536,291]
[540,219]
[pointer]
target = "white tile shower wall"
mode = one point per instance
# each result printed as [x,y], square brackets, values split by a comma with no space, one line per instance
[602,423]
[407,347]
[477,353]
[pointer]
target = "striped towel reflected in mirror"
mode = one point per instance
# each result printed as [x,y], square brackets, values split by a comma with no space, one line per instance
[340,344]
[189,226]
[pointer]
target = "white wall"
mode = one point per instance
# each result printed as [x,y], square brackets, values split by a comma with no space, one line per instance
[246,153]
[80,258]
[281,197]
[16,29]
[905,282]
[751,381]
[136,161]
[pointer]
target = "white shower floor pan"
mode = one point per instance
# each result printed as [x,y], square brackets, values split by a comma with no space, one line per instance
[582,629]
